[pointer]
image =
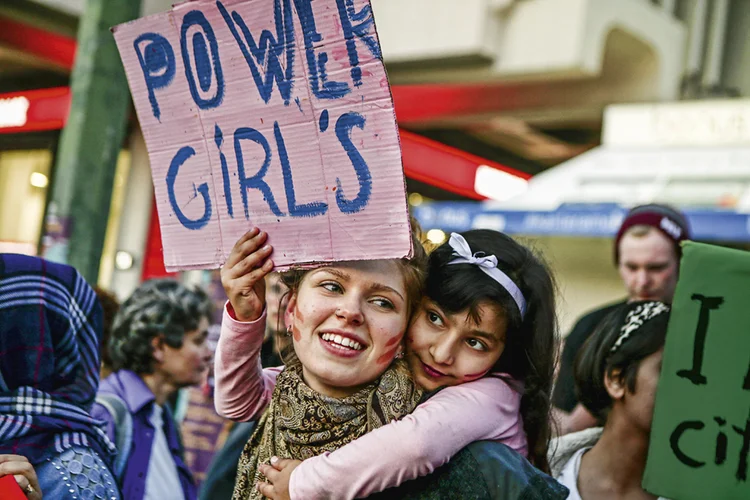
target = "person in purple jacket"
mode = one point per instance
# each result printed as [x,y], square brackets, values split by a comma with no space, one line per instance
[158,346]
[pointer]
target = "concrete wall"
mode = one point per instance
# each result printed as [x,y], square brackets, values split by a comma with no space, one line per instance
[585,274]
[134,218]
[72,7]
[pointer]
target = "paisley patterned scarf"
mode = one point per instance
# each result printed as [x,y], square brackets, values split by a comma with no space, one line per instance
[301,423]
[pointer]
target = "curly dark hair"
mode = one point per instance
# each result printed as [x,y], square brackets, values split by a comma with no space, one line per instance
[160,307]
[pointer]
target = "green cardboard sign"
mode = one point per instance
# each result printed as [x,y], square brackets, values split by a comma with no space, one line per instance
[700,436]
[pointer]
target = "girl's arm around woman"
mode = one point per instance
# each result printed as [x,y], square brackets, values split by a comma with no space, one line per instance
[415,445]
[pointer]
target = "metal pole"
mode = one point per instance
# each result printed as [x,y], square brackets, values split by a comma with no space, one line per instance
[696,38]
[668,6]
[90,142]
[716,42]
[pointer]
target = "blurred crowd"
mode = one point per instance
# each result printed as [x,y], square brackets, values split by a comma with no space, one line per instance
[431,377]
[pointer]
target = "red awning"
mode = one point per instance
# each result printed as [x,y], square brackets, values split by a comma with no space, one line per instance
[56,49]
[425,160]
[445,167]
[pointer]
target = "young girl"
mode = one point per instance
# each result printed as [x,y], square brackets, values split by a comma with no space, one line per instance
[486,327]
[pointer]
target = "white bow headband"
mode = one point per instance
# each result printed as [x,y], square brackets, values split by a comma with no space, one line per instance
[488,265]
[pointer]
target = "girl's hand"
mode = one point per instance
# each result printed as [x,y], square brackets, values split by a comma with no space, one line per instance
[278,474]
[24,474]
[243,275]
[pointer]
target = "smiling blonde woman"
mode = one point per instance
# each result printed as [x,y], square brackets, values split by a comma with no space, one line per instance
[346,322]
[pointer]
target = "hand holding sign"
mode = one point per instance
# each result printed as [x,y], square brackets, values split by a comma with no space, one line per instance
[243,275]
[269,113]
[700,438]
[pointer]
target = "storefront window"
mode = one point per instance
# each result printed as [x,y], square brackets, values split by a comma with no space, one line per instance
[24,180]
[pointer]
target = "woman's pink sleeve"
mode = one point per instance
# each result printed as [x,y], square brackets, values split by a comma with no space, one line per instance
[243,389]
[415,445]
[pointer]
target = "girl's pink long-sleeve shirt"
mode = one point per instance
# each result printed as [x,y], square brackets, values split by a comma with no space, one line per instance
[486,409]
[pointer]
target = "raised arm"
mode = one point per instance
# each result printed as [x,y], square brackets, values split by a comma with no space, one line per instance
[243,388]
[416,445]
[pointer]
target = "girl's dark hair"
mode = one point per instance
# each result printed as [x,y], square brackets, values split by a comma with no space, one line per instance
[596,361]
[160,307]
[531,343]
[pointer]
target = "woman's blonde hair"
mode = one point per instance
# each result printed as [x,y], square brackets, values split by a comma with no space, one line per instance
[412,268]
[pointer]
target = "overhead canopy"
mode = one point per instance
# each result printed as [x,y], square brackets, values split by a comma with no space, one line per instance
[714,177]
[589,195]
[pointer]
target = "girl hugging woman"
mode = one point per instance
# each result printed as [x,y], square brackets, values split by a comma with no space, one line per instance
[478,354]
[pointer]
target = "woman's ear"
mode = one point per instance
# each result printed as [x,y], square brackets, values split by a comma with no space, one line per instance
[614,384]
[157,348]
[401,351]
[291,305]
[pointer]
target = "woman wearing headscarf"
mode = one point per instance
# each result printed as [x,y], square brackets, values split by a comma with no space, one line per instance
[50,329]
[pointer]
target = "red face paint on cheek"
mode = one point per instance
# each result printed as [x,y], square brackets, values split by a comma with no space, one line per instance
[387,357]
[298,315]
[475,376]
[395,339]
[300,319]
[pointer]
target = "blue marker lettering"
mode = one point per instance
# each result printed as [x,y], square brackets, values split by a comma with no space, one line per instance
[321,87]
[156,58]
[308,209]
[357,25]
[174,168]
[256,181]
[219,140]
[323,121]
[344,126]
[265,56]
[201,60]
[200,52]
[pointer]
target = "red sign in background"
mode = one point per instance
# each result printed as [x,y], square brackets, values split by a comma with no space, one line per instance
[47,110]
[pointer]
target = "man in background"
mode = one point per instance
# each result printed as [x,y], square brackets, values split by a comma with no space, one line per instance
[274,341]
[647,255]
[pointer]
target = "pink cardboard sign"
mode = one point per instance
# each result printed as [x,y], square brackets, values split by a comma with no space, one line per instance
[268,113]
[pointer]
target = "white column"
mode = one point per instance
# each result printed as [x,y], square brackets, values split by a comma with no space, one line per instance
[135,217]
